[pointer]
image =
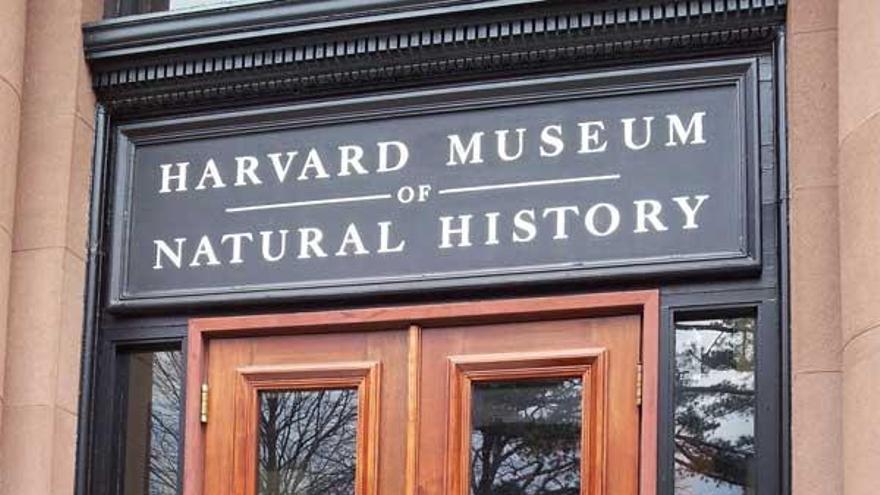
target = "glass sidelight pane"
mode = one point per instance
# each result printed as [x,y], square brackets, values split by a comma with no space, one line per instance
[526,437]
[154,391]
[715,406]
[308,442]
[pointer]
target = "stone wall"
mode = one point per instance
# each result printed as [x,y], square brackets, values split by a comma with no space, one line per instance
[46,148]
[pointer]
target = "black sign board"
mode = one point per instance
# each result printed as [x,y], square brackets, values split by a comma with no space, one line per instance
[578,176]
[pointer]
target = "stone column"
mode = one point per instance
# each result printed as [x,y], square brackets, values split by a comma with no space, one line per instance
[41,389]
[12,33]
[817,467]
[859,145]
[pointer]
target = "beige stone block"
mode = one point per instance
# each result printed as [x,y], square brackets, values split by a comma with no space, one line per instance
[860,229]
[92,10]
[64,453]
[34,326]
[12,36]
[859,63]
[5,260]
[815,285]
[78,190]
[85,97]
[70,334]
[53,51]
[817,445]
[44,181]
[812,108]
[27,450]
[861,429]
[9,138]
[812,15]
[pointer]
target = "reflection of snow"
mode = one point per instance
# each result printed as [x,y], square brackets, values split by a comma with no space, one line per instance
[692,484]
[194,4]
[714,431]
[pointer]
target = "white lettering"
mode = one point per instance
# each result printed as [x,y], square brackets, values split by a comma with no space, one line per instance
[236,245]
[524,226]
[590,139]
[352,238]
[690,212]
[613,219]
[173,255]
[492,228]
[266,244]
[385,239]
[502,144]
[167,177]
[310,240]
[246,167]
[459,154]
[282,170]
[350,158]
[648,211]
[463,231]
[559,212]
[204,250]
[212,173]
[313,162]
[552,136]
[628,133]
[677,129]
[402,156]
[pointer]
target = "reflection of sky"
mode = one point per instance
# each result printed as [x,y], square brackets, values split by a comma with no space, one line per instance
[194,4]
[700,485]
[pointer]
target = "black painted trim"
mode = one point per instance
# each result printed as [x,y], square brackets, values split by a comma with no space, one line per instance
[443,43]
[92,304]
[158,32]
[784,270]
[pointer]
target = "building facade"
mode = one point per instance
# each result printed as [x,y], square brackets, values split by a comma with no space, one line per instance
[509,246]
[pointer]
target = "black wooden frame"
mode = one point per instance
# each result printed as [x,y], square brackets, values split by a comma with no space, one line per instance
[738,72]
[161,66]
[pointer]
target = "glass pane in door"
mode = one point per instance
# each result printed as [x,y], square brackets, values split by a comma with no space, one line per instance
[307,442]
[526,437]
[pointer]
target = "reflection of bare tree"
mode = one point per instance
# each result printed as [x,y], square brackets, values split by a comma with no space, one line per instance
[307,442]
[715,401]
[165,406]
[526,438]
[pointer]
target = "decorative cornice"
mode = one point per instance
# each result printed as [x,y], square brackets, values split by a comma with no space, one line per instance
[432,49]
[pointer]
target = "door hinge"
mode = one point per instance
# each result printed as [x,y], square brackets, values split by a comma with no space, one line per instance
[203,409]
[640,378]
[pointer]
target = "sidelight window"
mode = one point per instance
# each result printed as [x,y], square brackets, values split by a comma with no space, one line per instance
[714,425]
[153,382]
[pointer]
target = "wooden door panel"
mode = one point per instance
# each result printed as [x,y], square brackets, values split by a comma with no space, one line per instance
[615,446]
[239,368]
[417,380]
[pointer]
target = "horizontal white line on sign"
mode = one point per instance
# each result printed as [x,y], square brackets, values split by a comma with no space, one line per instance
[315,202]
[515,185]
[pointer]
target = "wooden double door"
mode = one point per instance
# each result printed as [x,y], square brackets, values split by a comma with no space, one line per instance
[517,401]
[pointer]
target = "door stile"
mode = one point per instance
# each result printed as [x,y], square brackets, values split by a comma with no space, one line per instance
[413,397]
